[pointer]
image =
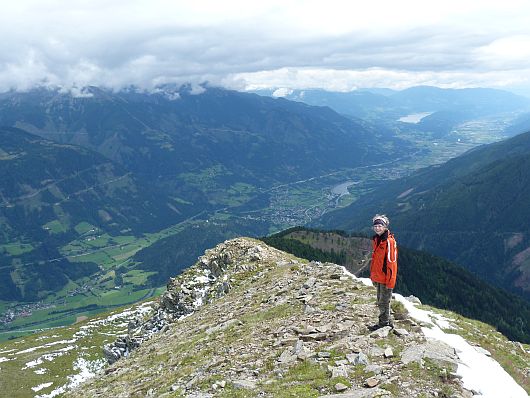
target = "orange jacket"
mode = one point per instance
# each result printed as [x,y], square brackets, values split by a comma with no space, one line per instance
[383,268]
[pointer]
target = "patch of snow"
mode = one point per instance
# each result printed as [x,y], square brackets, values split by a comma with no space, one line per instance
[185,316]
[4,359]
[41,386]
[54,393]
[7,351]
[121,317]
[32,364]
[47,345]
[87,369]
[364,281]
[109,334]
[40,371]
[416,313]
[478,371]
[30,349]
[201,293]
[199,280]
[443,322]
[49,357]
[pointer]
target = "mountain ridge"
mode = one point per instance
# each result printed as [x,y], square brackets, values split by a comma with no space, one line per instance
[258,322]
[447,107]
[307,315]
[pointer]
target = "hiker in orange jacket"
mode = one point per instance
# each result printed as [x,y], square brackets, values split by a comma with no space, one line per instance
[383,269]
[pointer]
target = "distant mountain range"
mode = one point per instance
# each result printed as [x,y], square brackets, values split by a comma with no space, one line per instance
[444,108]
[473,210]
[175,131]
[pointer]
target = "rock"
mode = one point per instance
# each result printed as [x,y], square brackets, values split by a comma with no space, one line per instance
[339,387]
[288,340]
[223,326]
[371,382]
[401,332]
[308,309]
[314,337]
[298,347]
[194,380]
[376,351]
[357,359]
[309,283]
[199,395]
[304,330]
[376,369]
[287,357]
[345,325]
[306,298]
[110,355]
[413,299]
[244,384]
[339,371]
[324,328]
[360,393]
[437,351]
[269,346]
[382,332]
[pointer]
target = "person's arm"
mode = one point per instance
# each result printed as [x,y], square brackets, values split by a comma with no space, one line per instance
[391,263]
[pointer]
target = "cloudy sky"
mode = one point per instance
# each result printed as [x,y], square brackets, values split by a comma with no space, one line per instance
[331,44]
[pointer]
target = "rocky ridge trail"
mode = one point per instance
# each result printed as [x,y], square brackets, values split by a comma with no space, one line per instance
[248,320]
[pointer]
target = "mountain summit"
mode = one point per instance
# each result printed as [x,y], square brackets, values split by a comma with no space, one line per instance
[249,320]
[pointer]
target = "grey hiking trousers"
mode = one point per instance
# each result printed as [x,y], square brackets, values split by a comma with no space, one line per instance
[384,295]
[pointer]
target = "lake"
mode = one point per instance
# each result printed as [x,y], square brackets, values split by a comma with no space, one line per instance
[414,117]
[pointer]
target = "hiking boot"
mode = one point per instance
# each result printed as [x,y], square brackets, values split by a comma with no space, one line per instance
[373,328]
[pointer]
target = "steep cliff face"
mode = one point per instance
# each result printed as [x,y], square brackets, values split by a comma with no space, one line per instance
[248,320]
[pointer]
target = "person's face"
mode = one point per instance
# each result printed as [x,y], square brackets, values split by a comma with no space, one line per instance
[379,229]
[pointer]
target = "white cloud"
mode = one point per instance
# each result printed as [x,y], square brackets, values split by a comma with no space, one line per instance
[506,52]
[291,43]
[348,80]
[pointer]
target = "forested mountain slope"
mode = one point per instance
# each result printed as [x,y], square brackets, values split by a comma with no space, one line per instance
[49,192]
[473,210]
